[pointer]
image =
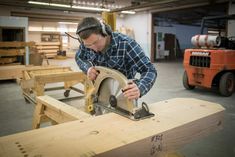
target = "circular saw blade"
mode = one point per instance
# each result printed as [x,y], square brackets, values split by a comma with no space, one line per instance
[110,87]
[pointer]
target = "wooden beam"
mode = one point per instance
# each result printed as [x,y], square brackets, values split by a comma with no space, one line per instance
[62,112]
[48,51]
[16,71]
[48,71]
[176,123]
[48,43]
[16,44]
[12,52]
[7,60]
[48,47]
[56,111]
[60,77]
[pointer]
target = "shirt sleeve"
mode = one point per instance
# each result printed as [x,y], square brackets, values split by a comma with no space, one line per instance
[82,59]
[140,62]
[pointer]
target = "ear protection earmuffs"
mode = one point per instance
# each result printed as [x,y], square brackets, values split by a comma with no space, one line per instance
[105,29]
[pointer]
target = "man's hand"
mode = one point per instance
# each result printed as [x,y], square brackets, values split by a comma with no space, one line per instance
[131,91]
[92,73]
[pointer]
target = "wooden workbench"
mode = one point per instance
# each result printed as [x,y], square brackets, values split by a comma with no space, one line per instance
[177,122]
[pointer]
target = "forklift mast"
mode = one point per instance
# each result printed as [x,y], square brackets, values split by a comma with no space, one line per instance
[226,42]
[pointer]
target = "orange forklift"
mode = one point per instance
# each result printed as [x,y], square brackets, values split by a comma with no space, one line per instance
[212,62]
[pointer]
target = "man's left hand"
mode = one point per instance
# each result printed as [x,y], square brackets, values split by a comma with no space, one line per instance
[131,91]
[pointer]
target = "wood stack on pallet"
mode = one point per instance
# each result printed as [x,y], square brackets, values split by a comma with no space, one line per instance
[48,49]
[13,52]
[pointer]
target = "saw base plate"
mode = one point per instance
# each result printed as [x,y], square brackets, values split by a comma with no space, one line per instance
[122,112]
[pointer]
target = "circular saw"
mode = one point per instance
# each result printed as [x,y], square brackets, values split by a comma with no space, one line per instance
[109,96]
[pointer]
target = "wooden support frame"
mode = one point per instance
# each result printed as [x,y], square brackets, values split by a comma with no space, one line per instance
[177,122]
[56,111]
[34,81]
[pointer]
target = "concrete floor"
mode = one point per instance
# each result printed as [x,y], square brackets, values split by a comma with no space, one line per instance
[16,115]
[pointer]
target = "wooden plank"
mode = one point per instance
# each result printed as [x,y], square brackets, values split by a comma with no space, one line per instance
[49,71]
[11,72]
[52,68]
[48,51]
[177,122]
[47,43]
[12,52]
[48,47]
[60,77]
[16,44]
[7,60]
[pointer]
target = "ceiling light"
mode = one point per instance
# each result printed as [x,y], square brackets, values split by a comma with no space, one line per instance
[69,23]
[128,12]
[39,3]
[90,8]
[68,6]
[60,5]
[50,4]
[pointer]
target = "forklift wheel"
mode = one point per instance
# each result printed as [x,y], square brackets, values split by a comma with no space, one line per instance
[66,93]
[227,84]
[185,82]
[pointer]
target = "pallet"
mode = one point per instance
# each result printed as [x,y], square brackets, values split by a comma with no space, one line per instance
[177,122]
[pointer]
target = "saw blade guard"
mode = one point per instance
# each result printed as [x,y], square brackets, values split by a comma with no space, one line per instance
[108,89]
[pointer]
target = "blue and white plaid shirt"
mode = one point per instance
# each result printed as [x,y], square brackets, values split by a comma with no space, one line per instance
[125,55]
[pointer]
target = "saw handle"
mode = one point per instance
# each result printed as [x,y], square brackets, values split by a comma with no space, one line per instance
[129,83]
[144,105]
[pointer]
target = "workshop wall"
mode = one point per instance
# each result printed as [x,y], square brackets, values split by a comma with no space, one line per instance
[141,25]
[231,23]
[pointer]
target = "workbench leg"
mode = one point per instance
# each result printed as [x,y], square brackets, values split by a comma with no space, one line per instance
[39,89]
[38,112]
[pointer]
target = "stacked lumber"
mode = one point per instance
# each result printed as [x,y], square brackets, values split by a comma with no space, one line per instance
[13,52]
[48,49]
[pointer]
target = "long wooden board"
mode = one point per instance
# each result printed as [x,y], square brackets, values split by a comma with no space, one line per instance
[177,122]
[16,44]
[7,60]
[12,52]
[16,71]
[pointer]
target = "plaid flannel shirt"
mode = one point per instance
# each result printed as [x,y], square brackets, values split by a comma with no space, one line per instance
[125,55]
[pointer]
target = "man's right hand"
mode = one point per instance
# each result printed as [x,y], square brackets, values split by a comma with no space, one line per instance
[92,73]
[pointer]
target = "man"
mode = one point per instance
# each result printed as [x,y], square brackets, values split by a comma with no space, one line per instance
[102,47]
